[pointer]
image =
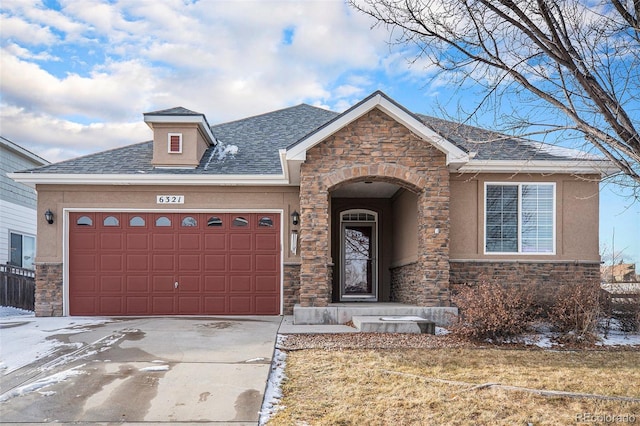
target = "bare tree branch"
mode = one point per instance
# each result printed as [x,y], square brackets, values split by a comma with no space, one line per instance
[578,59]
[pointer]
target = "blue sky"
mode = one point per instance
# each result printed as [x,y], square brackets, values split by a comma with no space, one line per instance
[77,75]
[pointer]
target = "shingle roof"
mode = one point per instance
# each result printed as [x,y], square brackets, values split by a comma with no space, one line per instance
[260,137]
[490,145]
[258,140]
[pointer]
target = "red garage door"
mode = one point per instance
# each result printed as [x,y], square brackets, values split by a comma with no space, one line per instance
[174,264]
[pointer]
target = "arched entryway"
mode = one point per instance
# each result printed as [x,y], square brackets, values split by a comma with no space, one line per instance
[374,227]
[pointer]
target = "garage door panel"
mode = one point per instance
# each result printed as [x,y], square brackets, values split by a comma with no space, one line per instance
[111,305]
[84,262]
[163,242]
[266,262]
[240,284]
[111,263]
[215,263]
[267,305]
[240,242]
[240,305]
[267,242]
[84,241]
[189,242]
[215,241]
[267,284]
[111,241]
[162,283]
[137,262]
[111,284]
[163,262]
[189,284]
[80,305]
[137,305]
[189,262]
[189,305]
[215,284]
[162,305]
[224,263]
[84,284]
[215,304]
[137,284]
[135,242]
[240,262]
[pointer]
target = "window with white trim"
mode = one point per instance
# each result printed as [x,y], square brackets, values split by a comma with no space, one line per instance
[175,143]
[22,250]
[520,218]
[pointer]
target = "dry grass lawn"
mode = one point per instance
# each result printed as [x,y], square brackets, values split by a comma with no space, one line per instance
[396,387]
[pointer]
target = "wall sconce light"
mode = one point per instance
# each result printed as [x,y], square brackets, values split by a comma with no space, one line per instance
[295,217]
[48,215]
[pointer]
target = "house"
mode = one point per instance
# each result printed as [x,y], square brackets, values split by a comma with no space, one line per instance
[17,207]
[619,273]
[303,208]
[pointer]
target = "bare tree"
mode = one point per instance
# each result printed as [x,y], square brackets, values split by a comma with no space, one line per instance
[579,60]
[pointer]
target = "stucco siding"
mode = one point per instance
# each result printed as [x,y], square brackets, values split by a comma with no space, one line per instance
[405,223]
[576,216]
[58,198]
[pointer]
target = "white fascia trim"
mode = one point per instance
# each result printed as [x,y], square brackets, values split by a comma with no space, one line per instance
[177,119]
[604,168]
[148,179]
[282,154]
[454,154]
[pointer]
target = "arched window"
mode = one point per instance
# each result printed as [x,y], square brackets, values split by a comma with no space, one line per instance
[136,221]
[214,221]
[265,221]
[240,221]
[111,221]
[163,221]
[189,221]
[84,221]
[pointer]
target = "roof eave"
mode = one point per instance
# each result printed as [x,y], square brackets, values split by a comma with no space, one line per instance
[381,101]
[200,120]
[603,168]
[33,179]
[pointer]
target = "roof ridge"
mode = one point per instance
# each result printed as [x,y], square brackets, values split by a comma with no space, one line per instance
[272,112]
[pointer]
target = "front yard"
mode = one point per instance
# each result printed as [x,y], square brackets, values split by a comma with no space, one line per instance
[334,384]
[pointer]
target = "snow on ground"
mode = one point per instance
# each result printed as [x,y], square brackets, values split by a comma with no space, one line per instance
[25,338]
[273,392]
[42,383]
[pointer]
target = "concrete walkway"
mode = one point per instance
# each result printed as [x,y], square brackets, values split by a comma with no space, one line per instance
[177,370]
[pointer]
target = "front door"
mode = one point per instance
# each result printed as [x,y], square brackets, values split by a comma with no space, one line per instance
[358,272]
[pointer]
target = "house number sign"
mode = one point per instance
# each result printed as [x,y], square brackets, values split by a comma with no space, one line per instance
[170,199]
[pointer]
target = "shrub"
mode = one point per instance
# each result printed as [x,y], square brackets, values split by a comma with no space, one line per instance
[576,311]
[493,311]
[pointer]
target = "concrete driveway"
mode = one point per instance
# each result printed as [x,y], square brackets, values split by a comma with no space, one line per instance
[152,370]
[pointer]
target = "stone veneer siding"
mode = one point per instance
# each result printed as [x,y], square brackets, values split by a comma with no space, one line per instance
[375,147]
[542,277]
[291,287]
[404,283]
[49,297]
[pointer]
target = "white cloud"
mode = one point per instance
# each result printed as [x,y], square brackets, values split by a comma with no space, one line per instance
[225,59]
[17,29]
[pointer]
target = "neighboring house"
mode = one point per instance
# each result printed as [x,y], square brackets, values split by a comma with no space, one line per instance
[306,207]
[620,273]
[18,203]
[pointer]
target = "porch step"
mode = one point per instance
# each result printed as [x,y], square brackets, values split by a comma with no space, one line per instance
[342,313]
[393,324]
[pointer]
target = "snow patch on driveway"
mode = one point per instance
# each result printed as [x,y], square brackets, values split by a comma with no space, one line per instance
[25,339]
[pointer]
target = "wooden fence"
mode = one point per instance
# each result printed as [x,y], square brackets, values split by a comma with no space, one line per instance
[17,287]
